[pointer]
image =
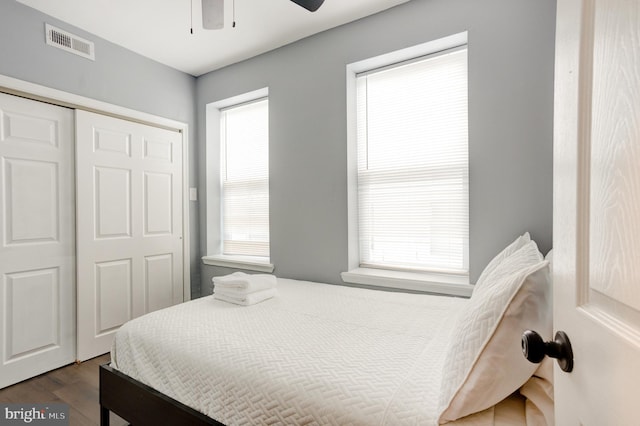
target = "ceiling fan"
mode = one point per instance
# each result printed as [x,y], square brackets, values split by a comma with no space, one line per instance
[310,5]
[213,12]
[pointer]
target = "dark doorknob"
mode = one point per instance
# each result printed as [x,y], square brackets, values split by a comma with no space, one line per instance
[535,349]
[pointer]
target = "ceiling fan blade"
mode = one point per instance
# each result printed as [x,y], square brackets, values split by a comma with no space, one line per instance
[212,14]
[310,5]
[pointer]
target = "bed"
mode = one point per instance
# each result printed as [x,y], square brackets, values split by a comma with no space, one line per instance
[326,354]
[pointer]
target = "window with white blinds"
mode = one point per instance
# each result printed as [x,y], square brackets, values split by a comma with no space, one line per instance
[244,135]
[413,167]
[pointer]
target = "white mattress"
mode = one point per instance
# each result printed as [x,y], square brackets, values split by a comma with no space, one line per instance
[314,354]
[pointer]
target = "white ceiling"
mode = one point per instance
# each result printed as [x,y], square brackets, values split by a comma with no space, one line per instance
[160,29]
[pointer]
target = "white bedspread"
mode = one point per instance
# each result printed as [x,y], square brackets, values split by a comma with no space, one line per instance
[315,354]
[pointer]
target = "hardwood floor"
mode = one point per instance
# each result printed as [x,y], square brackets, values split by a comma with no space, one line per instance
[75,384]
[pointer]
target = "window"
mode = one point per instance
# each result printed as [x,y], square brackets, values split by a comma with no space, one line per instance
[237,201]
[412,164]
[244,136]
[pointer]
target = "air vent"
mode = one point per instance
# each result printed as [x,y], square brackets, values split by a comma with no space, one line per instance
[69,42]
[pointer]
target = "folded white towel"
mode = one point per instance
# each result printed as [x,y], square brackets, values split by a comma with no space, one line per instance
[247,299]
[236,277]
[243,283]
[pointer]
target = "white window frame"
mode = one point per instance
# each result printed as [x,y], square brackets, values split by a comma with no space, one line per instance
[442,283]
[214,255]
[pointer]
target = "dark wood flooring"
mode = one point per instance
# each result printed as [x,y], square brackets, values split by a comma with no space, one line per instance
[75,384]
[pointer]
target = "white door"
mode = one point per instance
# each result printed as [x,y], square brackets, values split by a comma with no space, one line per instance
[37,265]
[596,225]
[129,189]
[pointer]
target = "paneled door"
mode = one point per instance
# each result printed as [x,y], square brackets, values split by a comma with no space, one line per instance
[129,189]
[37,265]
[596,262]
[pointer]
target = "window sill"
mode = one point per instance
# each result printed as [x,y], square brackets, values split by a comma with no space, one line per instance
[260,264]
[450,285]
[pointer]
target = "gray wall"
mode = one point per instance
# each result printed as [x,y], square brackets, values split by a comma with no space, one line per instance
[118,76]
[511,49]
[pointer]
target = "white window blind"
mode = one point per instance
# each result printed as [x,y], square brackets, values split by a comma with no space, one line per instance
[413,190]
[245,179]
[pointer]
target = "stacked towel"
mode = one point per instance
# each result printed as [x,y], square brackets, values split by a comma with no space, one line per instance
[244,289]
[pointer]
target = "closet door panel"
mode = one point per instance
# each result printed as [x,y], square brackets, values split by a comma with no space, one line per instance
[112,210]
[158,194]
[33,322]
[129,225]
[37,236]
[113,294]
[30,215]
[158,281]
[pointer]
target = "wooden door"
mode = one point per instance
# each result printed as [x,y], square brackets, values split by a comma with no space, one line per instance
[129,188]
[37,263]
[596,269]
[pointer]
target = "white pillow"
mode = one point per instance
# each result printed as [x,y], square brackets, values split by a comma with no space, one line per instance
[484,361]
[500,257]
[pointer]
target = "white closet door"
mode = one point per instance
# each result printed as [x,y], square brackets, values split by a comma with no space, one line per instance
[37,265]
[129,189]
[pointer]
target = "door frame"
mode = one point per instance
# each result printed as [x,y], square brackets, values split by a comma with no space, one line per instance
[41,93]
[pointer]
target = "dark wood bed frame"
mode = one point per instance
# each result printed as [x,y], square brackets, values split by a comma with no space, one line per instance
[142,405]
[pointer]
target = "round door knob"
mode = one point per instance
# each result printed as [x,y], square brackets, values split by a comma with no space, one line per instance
[535,349]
